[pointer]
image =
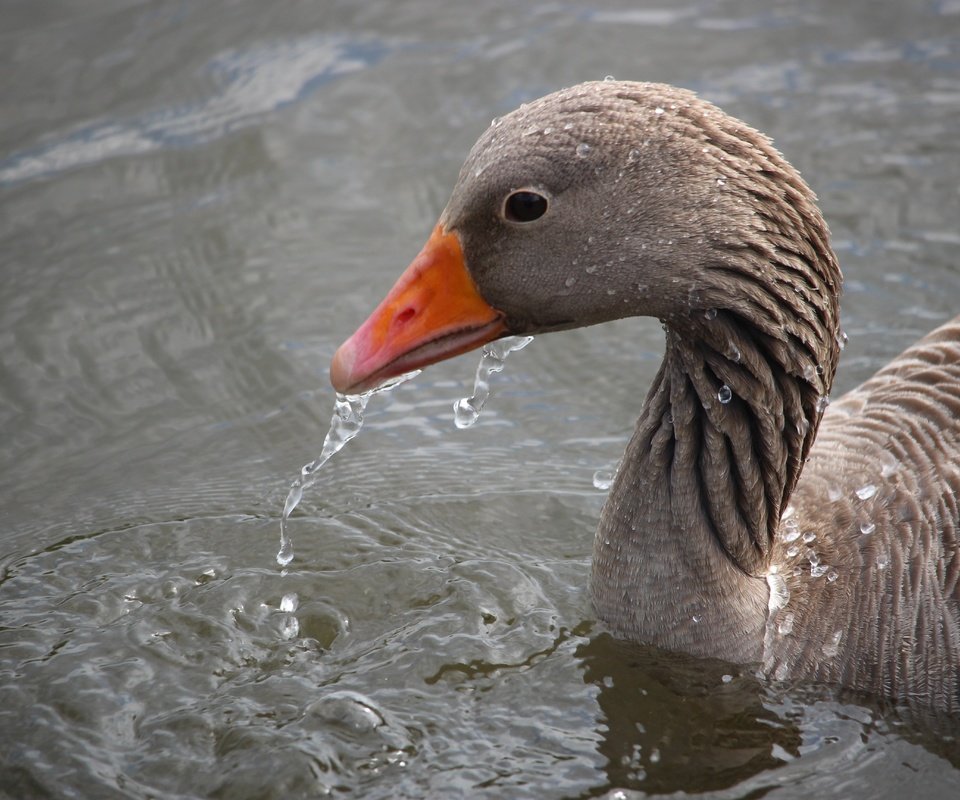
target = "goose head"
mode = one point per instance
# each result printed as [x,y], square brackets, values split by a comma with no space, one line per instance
[606,200]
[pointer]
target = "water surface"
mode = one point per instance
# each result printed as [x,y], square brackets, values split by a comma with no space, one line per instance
[198,202]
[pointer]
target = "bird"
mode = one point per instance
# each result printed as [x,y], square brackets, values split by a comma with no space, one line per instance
[751,519]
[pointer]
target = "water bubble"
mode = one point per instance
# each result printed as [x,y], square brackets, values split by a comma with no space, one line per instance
[609,78]
[733,353]
[569,282]
[658,111]
[726,678]
[809,536]
[583,150]
[866,492]
[842,339]
[867,527]
[603,479]
[696,619]
[289,602]
[633,155]
[725,395]
[883,562]
[467,410]
[822,402]
[721,182]
[792,550]
[832,575]
[818,570]
[788,512]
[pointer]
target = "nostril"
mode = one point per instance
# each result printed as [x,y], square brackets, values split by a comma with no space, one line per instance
[405,316]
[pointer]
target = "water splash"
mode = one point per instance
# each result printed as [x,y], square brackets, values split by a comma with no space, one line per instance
[345,424]
[467,410]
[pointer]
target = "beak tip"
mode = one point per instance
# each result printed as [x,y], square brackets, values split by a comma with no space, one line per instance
[341,367]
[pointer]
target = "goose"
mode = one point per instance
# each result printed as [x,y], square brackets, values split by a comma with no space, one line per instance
[749,520]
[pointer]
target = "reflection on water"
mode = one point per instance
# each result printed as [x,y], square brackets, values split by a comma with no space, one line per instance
[200,201]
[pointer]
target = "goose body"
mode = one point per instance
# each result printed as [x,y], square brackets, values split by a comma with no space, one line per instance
[728,532]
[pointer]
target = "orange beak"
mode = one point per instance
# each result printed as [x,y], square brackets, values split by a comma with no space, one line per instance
[433,312]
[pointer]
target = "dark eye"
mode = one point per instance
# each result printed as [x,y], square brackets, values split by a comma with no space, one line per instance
[525,206]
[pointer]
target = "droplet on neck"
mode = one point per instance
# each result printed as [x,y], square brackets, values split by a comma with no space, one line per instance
[583,149]
[467,410]
[345,424]
[866,492]
[779,593]
[832,646]
[725,395]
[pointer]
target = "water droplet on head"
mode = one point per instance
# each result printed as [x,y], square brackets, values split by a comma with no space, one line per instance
[569,282]
[726,678]
[866,492]
[609,78]
[633,155]
[658,111]
[725,395]
[583,149]
[822,402]
[832,575]
[808,537]
[867,527]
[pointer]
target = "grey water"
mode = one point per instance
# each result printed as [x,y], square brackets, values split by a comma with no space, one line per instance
[198,203]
